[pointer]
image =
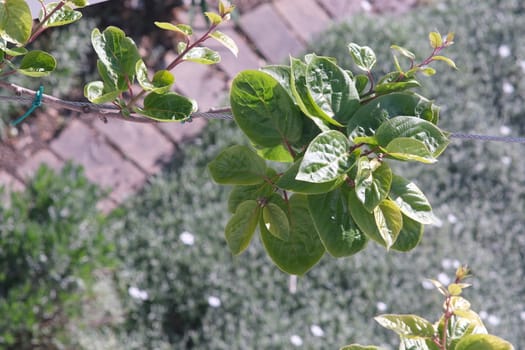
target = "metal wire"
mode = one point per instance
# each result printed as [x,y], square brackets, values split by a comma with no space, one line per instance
[507,139]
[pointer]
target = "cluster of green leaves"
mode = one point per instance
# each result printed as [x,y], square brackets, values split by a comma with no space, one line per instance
[120,66]
[51,241]
[459,327]
[332,132]
[17,30]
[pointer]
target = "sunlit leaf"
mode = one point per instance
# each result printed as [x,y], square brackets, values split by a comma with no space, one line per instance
[238,165]
[37,63]
[16,21]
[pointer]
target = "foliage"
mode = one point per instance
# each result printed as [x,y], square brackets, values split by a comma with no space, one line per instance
[51,242]
[335,130]
[459,327]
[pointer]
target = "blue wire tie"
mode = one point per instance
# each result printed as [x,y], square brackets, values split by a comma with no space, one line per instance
[37,102]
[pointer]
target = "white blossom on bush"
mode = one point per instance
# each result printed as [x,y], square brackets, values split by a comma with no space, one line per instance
[316,330]
[137,293]
[296,340]
[187,238]
[213,301]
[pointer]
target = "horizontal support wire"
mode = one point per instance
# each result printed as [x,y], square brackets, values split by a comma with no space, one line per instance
[111,111]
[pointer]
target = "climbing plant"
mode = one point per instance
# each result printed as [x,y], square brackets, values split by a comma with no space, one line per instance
[317,176]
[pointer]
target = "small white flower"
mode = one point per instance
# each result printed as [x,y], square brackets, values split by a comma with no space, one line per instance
[522,315]
[456,264]
[508,88]
[505,130]
[366,6]
[137,293]
[381,306]
[427,284]
[446,263]
[316,330]
[452,218]
[522,65]
[506,160]
[296,340]
[504,51]
[493,320]
[483,314]
[214,301]
[187,238]
[443,278]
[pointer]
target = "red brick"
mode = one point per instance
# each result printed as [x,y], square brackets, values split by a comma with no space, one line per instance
[31,165]
[103,165]
[142,143]
[270,35]
[9,183]
[339,9]
[305,17]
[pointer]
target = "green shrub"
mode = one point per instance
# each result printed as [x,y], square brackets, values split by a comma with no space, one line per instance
[51,241]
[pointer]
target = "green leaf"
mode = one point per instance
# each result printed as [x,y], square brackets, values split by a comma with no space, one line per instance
[95,92]
[282,74]
[483,342]
[382,225]
[359,347]
[264,111]
[404,148]
[13,51]
[118,54]
[415,128]
[241,226]
[79,3]
[428,71]
[276,221]
[278,153]
[65,15]
[161,83]
[370,116]
[408,54]
[363,56]
[361,82]
[289,182]
[326,158]
[385,88]
[446,60]
[418,344]
[226,41]
[214,18]
[259,192]
[435,40]
[202,55]
[303,249]
[411,200]
[238,165]
[303,97]
[179,28]
[332,89]
[409,236]
[37,63]
[372,182]
[167,107]
[407,325]
[338,231]
[16,21]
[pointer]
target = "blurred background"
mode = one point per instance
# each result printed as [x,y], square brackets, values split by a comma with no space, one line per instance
[155,273]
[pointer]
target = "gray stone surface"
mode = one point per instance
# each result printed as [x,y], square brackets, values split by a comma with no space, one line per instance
[31,165]
[305,17]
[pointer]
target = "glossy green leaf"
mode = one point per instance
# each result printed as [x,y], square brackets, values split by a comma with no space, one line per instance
[37,63]
[360,347]
[372,182]
[167,107]
[118,54]
[161,82]
[241,226]
[367,119]
[282,74]
[12,51]
[338,231]
[226,41]
[263,110]
[447,60]
[303,249]
[403,51]
[404,148]
[415,128]
[483,342]
[276,221]
[202,55]
[361,82]
[278,153]
[238,165]
[382,225]
[179,28]
[407,325]
[260,192]
[363,56]
[409,236]
[331,89]
[289,182]
[16,21]
[65,15]
[385,88]
[302,94]
[408,343]
[79,3]
[95,92]
[411,200]
[326,158]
